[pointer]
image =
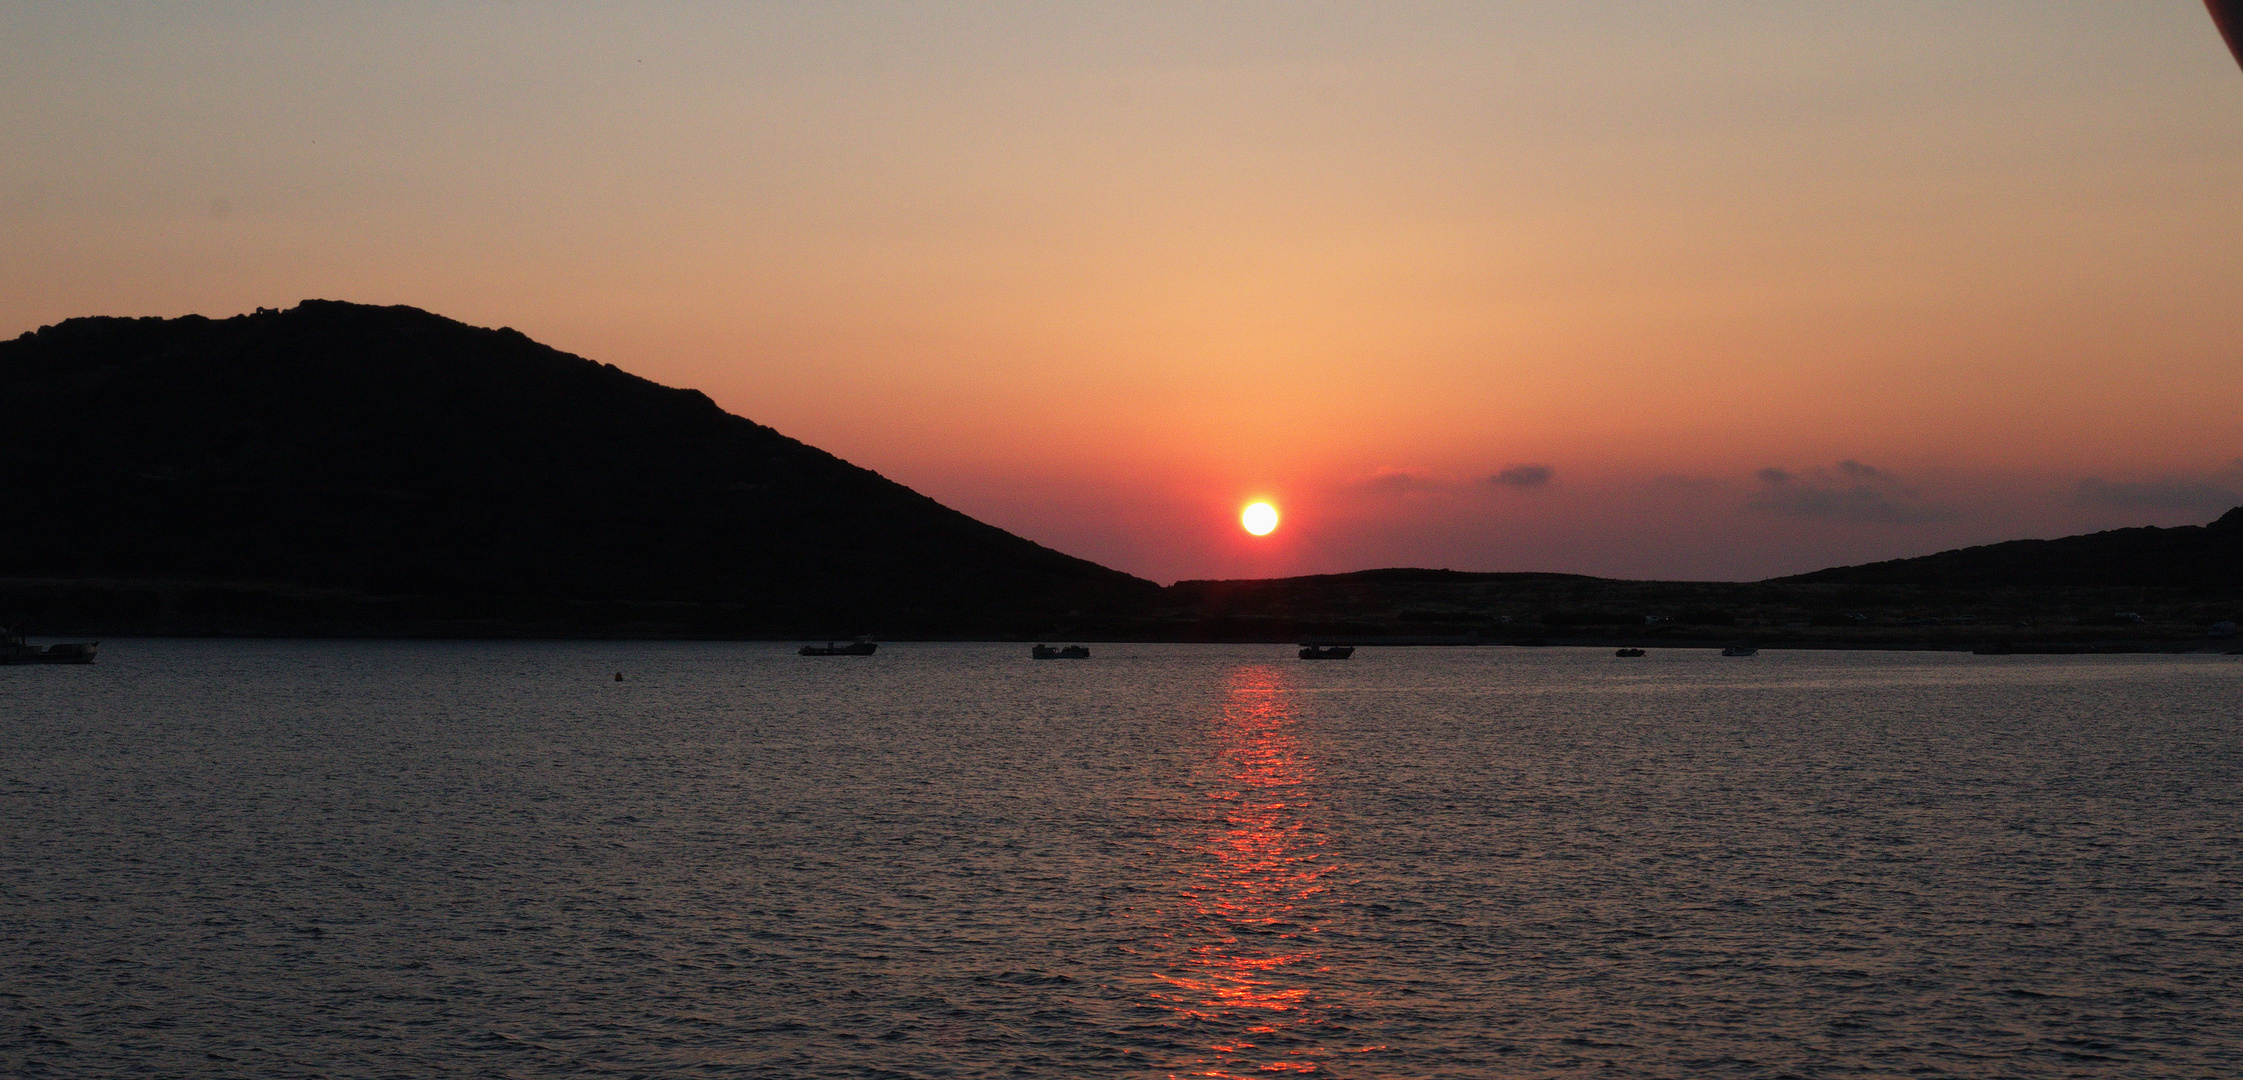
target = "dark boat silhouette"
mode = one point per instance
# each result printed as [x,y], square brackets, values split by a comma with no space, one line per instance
[1628,652]
[1327,652]
[15,650]
[1071,652]
[854,648]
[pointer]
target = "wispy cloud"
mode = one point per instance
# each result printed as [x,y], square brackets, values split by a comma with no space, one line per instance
[1524,476]
[2171,493]
[1847,491]
[1402,481]
[1680,482]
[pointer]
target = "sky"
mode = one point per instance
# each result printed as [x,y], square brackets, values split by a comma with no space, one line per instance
[1722,289]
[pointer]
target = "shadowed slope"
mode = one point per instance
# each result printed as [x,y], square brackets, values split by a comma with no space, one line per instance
[389,450]
[2192,556]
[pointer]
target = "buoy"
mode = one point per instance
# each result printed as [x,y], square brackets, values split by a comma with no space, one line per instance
[618,676]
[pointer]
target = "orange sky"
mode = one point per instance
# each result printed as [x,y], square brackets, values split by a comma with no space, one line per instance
[1759,287]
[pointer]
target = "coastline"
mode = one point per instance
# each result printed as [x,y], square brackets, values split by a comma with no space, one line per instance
[1485,611]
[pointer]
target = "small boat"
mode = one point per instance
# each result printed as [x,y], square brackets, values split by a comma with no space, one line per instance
[1071,652]
[1740,650]
[15,650]
[854,648]
[1327,652]
[1629,652]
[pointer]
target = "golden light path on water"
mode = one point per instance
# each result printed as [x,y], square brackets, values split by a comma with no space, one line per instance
[1252,904]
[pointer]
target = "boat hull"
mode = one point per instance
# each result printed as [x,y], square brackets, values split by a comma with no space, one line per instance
[861,648]
[72,653]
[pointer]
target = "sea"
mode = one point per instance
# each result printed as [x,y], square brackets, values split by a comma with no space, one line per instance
[495,859]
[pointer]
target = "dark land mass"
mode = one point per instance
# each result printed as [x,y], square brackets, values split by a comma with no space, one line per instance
[2192,557]
[346,470]
[2126,589]
[342,468]
[1445,607]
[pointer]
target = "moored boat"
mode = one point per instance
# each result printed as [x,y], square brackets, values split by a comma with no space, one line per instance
[854,648]
[15,650]
[1327,652]
[1740,650]
[1070,652]
[1628,652]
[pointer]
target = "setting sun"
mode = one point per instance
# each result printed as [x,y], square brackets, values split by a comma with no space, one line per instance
[1259,518]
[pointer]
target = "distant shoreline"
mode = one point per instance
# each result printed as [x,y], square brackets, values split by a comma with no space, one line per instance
[2013,647]
[1514,611]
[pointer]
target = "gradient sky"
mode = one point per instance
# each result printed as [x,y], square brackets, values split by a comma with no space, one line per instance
[1698,290]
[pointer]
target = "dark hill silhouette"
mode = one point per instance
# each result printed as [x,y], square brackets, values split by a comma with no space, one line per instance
[2166,589]
[386,451]
[2191,556]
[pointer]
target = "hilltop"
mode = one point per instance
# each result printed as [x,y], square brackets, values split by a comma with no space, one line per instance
[341,467]
[2147,587]
[2187,557]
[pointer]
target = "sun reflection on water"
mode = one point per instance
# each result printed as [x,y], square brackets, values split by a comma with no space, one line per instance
[1254,900]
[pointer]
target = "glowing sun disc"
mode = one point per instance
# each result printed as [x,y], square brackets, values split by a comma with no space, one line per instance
[1259,518]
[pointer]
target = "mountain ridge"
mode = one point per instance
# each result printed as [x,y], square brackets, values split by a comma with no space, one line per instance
[343,469]
[398,453]
[2185,556]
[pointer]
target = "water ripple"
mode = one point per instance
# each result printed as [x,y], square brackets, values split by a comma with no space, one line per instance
[295,859]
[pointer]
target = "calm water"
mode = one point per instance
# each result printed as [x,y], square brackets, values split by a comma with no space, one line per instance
[393,859]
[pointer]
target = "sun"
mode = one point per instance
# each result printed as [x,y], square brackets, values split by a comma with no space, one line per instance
[1259,518]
